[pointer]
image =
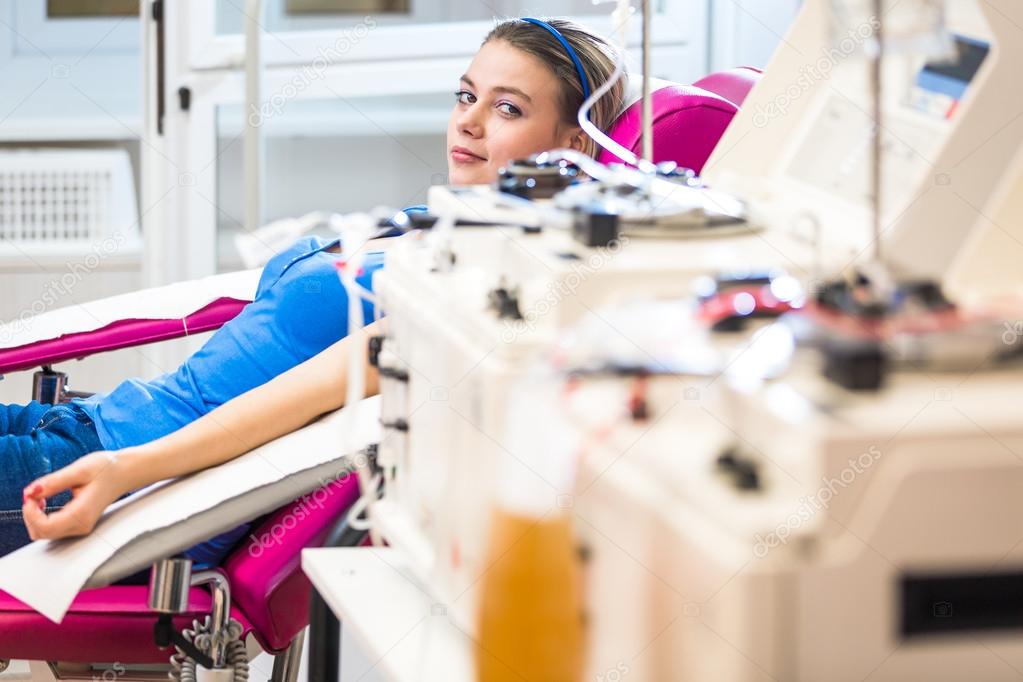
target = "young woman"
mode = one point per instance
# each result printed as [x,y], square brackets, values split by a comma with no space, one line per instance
[518,97]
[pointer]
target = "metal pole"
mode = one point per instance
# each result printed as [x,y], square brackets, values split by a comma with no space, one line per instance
[877,94]
[286,665]
[648,131]
[253,147]
[324,626]
[324,641]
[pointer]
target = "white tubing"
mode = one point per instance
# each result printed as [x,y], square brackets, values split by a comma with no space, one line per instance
[356,231]
[596,133]
[620,22]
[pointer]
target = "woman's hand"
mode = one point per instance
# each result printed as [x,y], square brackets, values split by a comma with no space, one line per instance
[281,405]
[95,481]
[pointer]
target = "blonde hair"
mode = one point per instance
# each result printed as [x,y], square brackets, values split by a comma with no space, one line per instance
[596,55]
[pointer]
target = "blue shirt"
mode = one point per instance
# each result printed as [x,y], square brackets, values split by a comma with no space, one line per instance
[300,309]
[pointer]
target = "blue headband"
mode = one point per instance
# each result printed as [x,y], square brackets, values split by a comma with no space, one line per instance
[568,48]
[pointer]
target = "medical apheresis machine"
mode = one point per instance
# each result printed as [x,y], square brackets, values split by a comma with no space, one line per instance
[761,425]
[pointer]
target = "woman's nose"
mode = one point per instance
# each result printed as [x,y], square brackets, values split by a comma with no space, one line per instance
[470,121]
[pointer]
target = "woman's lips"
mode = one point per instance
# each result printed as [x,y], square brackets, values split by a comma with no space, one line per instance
[463,155]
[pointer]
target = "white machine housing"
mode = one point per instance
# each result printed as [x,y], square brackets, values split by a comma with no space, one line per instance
[676,589]
[686,580]
[462,361]
[798,151]
[868,504]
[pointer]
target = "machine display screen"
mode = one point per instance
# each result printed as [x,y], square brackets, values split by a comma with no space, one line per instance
[940,86]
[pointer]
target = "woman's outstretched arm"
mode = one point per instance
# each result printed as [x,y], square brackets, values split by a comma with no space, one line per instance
[282,405]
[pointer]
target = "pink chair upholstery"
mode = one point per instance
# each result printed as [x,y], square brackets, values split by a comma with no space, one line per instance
[267,583]
[688,120]
[103,625]
[687,124]
[121,334]
[734,85]
[270,594]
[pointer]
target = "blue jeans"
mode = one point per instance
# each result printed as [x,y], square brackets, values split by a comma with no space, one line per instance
[36,439]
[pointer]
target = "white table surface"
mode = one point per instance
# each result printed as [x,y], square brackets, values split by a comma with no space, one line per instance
[405,635]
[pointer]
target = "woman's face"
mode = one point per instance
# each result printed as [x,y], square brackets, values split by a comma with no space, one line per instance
[506,108]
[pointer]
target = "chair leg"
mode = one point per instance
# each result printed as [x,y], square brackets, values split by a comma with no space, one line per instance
[324,626]
[324,641]
[286,665]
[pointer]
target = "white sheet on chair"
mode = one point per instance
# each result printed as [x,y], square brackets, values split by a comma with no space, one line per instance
[159,303]
[172,516]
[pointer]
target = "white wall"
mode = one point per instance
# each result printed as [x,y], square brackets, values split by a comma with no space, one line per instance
[746,32]
[67,83]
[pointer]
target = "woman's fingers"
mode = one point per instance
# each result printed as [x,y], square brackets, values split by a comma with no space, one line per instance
[90,492]
[74,475]
[49,485]
[76,518]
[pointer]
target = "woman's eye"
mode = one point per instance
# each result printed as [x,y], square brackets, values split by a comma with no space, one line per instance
[509,109]
[465,97]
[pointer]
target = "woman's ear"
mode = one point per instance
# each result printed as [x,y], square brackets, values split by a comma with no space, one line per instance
[579,141]
[574,138]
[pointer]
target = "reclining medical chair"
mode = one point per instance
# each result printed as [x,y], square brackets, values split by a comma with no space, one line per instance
[269,597]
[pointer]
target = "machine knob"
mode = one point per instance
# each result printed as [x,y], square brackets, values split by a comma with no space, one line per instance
[743,472]
[531,180]
[376,344]
[505,303]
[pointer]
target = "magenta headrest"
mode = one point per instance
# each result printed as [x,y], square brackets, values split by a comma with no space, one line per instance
[733,84]
[687,123]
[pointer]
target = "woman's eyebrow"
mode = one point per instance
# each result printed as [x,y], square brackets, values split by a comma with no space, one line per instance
[513,91]
[499,88]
